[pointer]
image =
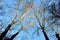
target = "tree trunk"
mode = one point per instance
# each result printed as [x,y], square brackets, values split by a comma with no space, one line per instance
[5,32]
[46,37]
[57,35]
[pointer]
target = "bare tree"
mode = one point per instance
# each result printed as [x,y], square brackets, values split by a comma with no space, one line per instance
[39,13]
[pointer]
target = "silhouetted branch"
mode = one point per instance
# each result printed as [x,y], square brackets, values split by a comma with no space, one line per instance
[13,36]
[57,35]
[46,37]
[5,32]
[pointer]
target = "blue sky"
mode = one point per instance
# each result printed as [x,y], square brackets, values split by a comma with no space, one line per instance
[29,32]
